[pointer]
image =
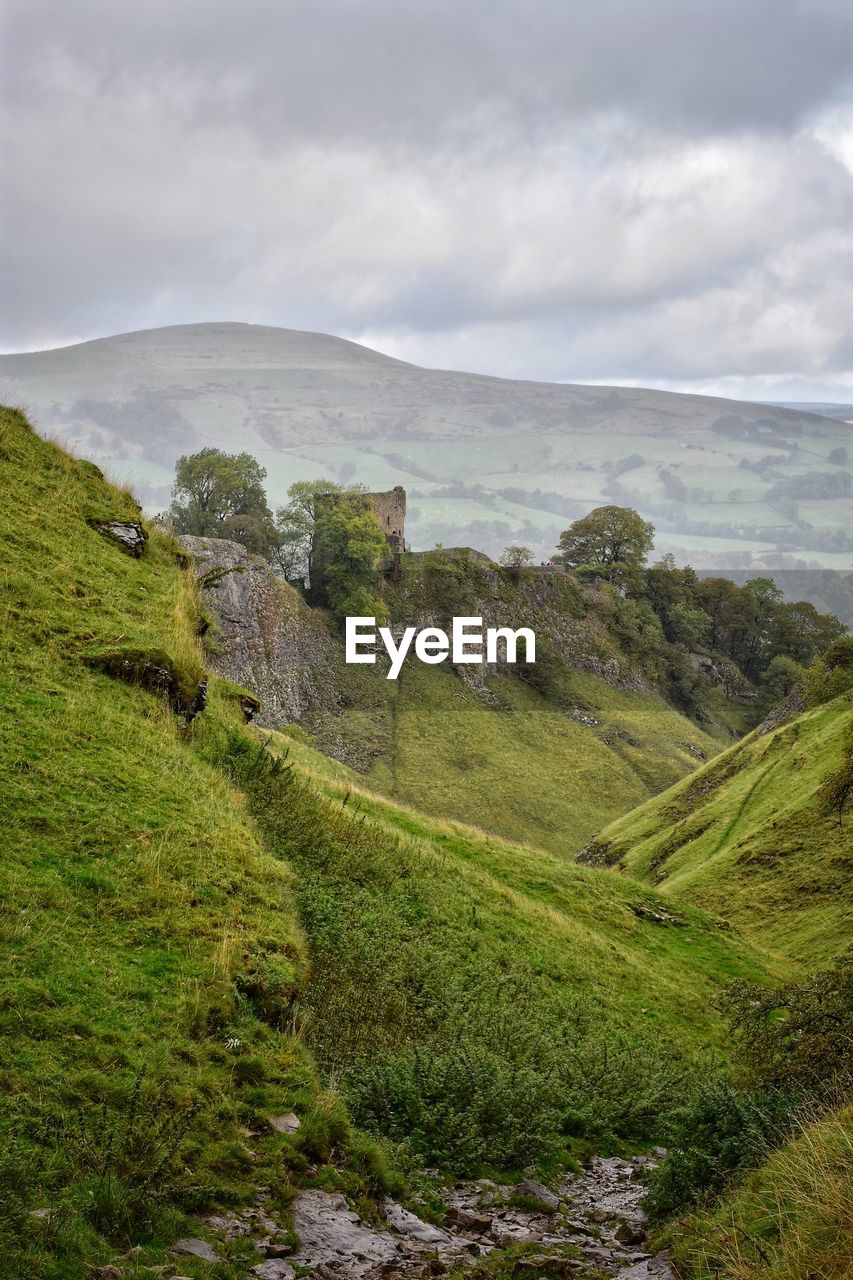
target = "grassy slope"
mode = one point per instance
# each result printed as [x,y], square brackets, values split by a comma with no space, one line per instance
[525,769]
[485,908]
[745,837]
[548,765]
[790,1220]
[146,927]
[139,906]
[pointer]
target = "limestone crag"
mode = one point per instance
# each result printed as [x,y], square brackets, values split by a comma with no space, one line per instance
[266,639]
[570,623]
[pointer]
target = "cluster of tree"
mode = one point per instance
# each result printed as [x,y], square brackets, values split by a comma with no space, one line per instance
[221,495]
[667,612]
[814,485]
[732,427]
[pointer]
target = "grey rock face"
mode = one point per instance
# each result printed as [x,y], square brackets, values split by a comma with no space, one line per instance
[794,705]
[128,535]
[533,1190]
[269,641]
[289,1123]
[195,1249]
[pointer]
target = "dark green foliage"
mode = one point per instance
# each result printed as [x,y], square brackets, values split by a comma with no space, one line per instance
[837,790]
[607,537]
[719,1131]
[822,683]
[798,1036]
[295,526]
[349,550]
[780,677]
[794,1046]
[451,578]
[839,655]
[222,495]
[120,1161]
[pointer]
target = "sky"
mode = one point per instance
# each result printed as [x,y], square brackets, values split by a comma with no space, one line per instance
[639,191]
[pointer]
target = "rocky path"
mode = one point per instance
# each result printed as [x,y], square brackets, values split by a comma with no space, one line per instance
[590,1225]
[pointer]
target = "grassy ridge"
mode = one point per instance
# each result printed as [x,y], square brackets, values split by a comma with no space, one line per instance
[149,946]
[746,836]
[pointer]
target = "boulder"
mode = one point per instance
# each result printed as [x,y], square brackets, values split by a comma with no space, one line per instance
[274,1269]
[195,1249]
[530,1189]
[410,1225]
[126,534]
[289,1123]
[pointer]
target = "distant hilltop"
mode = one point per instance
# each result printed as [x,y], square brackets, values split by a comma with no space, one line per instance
[485,461]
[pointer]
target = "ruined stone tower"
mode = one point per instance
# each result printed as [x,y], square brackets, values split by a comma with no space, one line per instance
[389,508]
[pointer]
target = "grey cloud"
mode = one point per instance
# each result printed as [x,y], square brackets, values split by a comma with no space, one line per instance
[630,189]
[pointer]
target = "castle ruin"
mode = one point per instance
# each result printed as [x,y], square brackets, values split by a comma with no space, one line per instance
[389,507]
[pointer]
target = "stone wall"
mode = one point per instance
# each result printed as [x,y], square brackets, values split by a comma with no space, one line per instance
[390,510]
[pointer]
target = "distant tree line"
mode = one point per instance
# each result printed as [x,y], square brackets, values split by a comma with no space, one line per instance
[664,613]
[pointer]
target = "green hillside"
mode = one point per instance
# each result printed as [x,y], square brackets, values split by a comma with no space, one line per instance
[150,947]
[520,766]
[452,970]
[204,926]
[747,836]
[545,755]
[788,1220]
[492,1003]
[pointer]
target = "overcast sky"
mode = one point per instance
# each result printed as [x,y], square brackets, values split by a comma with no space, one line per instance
[649,191]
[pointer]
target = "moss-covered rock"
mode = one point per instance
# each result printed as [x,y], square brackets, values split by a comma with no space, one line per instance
[156,671]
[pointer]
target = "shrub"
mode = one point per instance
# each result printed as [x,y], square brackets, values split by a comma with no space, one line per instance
[799,1036]
[720,1130]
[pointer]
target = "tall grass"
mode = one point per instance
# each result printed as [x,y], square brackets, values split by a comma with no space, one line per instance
[791,1220]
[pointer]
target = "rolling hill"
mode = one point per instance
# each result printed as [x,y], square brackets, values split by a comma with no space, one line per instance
[747,836]
[486,461]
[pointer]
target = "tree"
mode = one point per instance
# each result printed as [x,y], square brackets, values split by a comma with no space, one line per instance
[351,547]
[218,494]
[516,557]
[607,537]
[838,456]
[295,526]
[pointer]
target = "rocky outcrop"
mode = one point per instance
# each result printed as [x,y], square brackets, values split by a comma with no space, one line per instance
[156,671]
[266,639]
[126,534]
[794,705]
[723,673]
[571,628]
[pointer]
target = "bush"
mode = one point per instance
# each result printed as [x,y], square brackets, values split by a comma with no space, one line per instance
[720,1130]
[799,1036]
[119,1162]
